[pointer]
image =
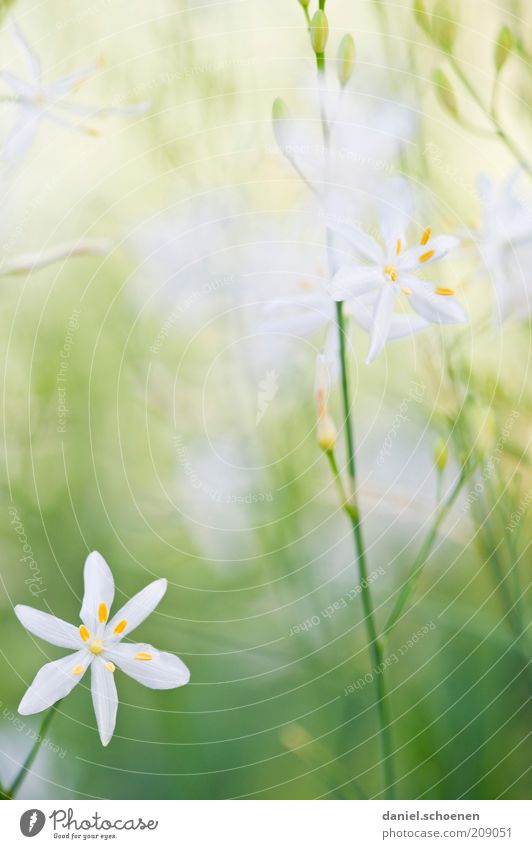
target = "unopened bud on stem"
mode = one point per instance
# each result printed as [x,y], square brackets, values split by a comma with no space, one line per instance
[327,433]
[319,31]
[503,47]
[441,454]
[346,59]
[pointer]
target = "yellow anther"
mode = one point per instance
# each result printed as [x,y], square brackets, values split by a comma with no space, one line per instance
[425,236]
[143,655]
[391,271]
[110,666]
[444,290]
[78,669]
[103,612]
[84,632]
[96,647]
[405,290]
[120,627]
[426,256]
[398,247]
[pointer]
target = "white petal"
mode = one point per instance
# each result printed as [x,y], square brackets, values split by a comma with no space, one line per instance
[54,681]
[21,88]
[395,211]
[48,627]
[104,699]
[99,587]
[362,243]
[441,245]
[25,263]
[162,672]
[352,281]
[406,324]
[23,133]
[32,58]
[65,85]
[382,319]
[439,309]
[139,607]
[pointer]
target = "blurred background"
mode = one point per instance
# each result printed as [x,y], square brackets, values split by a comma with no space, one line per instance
[179,438]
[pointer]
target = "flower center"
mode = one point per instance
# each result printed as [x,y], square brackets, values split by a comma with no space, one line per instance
[96,647]
[391,272]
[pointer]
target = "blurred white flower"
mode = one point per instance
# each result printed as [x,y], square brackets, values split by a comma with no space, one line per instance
[38,101]
[97,643]
[26,263]
[384,274]
[505,244]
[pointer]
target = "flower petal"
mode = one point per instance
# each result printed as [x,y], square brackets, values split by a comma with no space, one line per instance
[439,309]
[104,699]
[33,60]
[362,243]
[162,672]
[48,627]
[54,681]
[382,319]
[138,608]
[23,133]
[22,89]
[395,211]
[352,281]
[99,587]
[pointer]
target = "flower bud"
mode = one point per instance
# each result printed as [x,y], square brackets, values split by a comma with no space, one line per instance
[445,92]
[326,433]
[503,47]
[346,59]
[443,25]
[441,454]
[319,31]
[304,3]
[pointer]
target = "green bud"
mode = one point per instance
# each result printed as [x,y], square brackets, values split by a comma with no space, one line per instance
[421,16]
[503,47]
[346,59]
[305,3]
[441,454]
[445,92]
[443,25]
[319,31]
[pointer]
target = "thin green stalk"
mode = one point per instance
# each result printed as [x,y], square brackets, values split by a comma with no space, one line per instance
[24,769]
[417,567]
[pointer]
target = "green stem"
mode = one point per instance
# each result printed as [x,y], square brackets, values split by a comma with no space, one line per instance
[24,769]
[421,559]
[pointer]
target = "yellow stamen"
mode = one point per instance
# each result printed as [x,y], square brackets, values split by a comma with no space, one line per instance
[425,236]
[391,271]
[103,612]
[110,666]
[443,290]
[405,290]
[84,632]
[78,669]
[426,256]
[120,627]
[398,247]
[96,647]
[143,655]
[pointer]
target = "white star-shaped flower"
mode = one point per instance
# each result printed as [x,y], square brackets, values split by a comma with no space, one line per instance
[97,643]
[386,273]
[38,101]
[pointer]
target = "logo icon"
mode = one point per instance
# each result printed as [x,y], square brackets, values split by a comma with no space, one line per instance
[32,822]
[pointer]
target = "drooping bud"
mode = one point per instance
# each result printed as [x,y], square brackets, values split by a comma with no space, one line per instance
[503,47]
[441,454]
[445,92]
[346,59]
[319,31]
[326,431]
[443,25]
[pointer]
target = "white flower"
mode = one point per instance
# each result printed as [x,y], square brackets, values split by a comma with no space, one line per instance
[97,643]
[385,274]
[38,101]
[505,245]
